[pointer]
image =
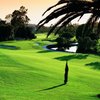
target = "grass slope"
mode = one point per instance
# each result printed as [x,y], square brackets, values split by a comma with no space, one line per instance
[28,72]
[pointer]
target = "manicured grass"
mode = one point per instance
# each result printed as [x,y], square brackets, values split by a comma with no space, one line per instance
[28,72]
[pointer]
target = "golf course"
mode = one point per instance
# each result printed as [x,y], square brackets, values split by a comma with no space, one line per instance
[29,72]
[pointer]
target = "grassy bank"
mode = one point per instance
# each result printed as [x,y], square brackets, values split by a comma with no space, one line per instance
[28,72]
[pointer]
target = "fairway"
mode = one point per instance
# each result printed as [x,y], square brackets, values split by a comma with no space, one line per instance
[29,72]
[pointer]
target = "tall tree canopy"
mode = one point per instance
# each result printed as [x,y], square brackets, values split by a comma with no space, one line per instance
[19,20]
[71,9]
[18,17]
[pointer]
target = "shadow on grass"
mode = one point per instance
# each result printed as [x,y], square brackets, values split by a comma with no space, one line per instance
[2,98]
[45,51]
[96,96]
[70,57]
[53,87]
[94,65]
[2,46]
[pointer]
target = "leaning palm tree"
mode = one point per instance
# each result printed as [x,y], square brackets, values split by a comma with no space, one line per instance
[71,9]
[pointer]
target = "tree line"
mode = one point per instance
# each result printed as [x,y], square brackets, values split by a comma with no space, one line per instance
[16,26]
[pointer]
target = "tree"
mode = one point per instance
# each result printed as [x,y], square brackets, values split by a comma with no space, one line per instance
[25,33]
[5,31]
[65,36]
[18,18]
[71,9]
[86,42]
[2,22]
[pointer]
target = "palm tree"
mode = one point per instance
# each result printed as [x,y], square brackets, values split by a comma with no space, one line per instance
[71,9]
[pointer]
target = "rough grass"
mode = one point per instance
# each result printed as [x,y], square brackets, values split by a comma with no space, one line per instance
[28,72]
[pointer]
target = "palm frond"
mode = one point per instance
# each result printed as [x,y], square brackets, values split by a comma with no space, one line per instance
[71,10]
[59,3]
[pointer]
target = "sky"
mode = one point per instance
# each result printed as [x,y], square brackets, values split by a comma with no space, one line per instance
[35,8]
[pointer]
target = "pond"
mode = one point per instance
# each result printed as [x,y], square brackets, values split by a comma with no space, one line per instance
[71,49]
